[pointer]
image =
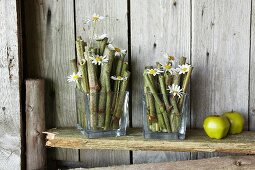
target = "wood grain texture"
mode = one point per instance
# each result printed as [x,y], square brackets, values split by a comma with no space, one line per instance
[116,27]
[35,124]
[10,89]
[156,27]
[196,141]
[234,163]
[50,44]
[220,55]
[252,72]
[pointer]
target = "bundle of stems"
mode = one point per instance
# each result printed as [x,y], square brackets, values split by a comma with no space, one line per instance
[165,90]
[101,74]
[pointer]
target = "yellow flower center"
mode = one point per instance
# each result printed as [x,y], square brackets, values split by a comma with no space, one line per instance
[167,67]
[117,49]
[76,77]
[119,77]
[170,57]
[95,18]
[98,58]
[184,69]
[152,71]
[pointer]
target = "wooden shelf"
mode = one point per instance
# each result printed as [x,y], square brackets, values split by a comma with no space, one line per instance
[196,141]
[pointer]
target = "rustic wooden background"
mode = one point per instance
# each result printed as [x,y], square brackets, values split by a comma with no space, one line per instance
[217,36]
[10,85]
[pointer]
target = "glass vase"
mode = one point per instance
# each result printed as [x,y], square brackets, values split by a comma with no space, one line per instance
[102,114]
[165,116]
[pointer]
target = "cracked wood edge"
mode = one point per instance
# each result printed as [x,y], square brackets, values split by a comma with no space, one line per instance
[196,141]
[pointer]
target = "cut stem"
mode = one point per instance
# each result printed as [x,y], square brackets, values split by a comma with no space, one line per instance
[106,81]
[94,88]
[84,80]
[158,101]
[80,47]
[121,100]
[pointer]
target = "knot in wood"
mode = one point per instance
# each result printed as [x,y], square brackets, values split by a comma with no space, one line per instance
[175,3]
[238,163]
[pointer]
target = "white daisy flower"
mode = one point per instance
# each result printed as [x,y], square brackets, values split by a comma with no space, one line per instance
[175,90]
[74,77]
[100,37]
[98,60]
[183,68]
[154,71]
[95,18]
[169,57]
[168,68]
[118,51]
[118,78]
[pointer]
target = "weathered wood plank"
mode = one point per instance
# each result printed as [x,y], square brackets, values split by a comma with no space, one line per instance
[220,55]
[252,72]
[156,27]
[242,162]
[10,86]
[196,141]
[115,9]
[50,44]
[35,124]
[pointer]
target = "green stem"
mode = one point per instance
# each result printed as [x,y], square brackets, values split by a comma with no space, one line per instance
[177,76]
[121,100]
[119,65]
[84,80]
[175,122]
[106,77]
[94,88]
[117,89]
[163,91]
[150,105]
[101,107]
[158,101]
[124,68]
[80,47]
[101,46]
[168,79]
[160,118]
[185,86]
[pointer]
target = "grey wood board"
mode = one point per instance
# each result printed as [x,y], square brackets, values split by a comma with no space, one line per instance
[220,55]
[156,27]
[50,44]
[10,86]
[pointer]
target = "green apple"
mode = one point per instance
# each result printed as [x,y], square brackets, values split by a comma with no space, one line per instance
[216,126]
[236,122]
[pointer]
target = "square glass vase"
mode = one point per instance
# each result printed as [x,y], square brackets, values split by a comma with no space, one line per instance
[102,114]
[165,116]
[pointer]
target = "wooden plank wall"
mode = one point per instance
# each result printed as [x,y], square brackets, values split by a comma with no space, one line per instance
[165,28]
[220,54]
[217,36]
[49,31]
[10,85]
